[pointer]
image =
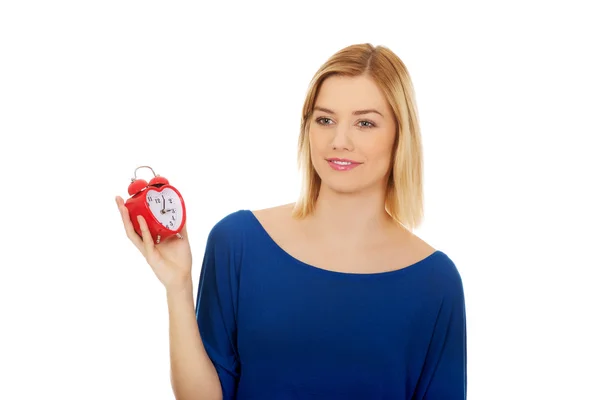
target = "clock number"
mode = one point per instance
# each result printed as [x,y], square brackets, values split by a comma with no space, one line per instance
[170,200]
[157,200]
[171,223]
[149,199]
[173,217]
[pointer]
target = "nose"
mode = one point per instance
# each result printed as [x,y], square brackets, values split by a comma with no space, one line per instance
[341,139]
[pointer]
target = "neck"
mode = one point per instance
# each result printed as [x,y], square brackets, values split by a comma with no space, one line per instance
[355,217]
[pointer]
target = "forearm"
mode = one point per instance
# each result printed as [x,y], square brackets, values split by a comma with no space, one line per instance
[193,376]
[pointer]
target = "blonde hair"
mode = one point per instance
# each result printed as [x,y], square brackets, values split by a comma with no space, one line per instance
[404,197]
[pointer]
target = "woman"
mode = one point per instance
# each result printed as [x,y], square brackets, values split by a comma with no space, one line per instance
[331,297]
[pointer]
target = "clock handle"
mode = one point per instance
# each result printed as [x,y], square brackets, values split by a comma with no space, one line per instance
[139,184]
[143,166]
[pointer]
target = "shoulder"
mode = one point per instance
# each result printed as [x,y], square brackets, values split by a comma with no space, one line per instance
[230,227]
[272,215]
[242,222]
[443,269]
[445,276]
[278,223]
[442,276]
[231,221]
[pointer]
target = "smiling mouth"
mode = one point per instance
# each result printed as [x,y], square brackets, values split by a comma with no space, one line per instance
[342,164]
[342,161]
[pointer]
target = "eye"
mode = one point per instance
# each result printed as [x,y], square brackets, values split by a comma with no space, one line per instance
[372,125]
[320,119]
[323,121]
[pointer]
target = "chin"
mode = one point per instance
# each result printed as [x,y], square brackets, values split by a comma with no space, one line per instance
[341,187]
[349,182]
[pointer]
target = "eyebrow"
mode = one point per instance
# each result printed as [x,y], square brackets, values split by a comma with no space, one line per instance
[358,112]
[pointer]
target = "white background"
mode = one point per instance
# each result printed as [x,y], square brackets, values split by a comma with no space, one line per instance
[210,96]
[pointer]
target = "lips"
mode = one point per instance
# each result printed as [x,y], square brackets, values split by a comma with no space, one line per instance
[342,164]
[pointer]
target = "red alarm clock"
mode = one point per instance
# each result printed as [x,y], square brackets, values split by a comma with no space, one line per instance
[159,203]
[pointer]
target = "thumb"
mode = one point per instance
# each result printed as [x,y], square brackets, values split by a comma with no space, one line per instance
[148,242]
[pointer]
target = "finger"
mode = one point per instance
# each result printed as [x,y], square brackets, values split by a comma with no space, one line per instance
[146,236]
[128,225]
[183,232]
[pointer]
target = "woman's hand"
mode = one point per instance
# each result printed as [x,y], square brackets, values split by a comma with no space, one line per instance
[171,260]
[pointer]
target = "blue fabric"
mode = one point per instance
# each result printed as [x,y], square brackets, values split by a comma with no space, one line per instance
[278,328]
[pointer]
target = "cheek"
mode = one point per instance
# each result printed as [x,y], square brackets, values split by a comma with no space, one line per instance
[317,143]
[379,151]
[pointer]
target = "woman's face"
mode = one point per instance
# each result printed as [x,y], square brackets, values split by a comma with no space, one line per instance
[352,134]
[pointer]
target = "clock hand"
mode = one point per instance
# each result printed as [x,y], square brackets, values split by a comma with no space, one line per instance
[164,205]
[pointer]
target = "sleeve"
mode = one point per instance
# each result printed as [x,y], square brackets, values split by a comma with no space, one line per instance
[446,362]
[216,306]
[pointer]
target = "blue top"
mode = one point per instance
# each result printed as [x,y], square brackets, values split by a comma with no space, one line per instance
[277,328]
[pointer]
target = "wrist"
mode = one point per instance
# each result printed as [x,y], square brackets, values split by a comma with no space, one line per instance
[183,285]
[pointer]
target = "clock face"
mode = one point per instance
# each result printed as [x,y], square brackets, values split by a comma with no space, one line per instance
[166,207]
